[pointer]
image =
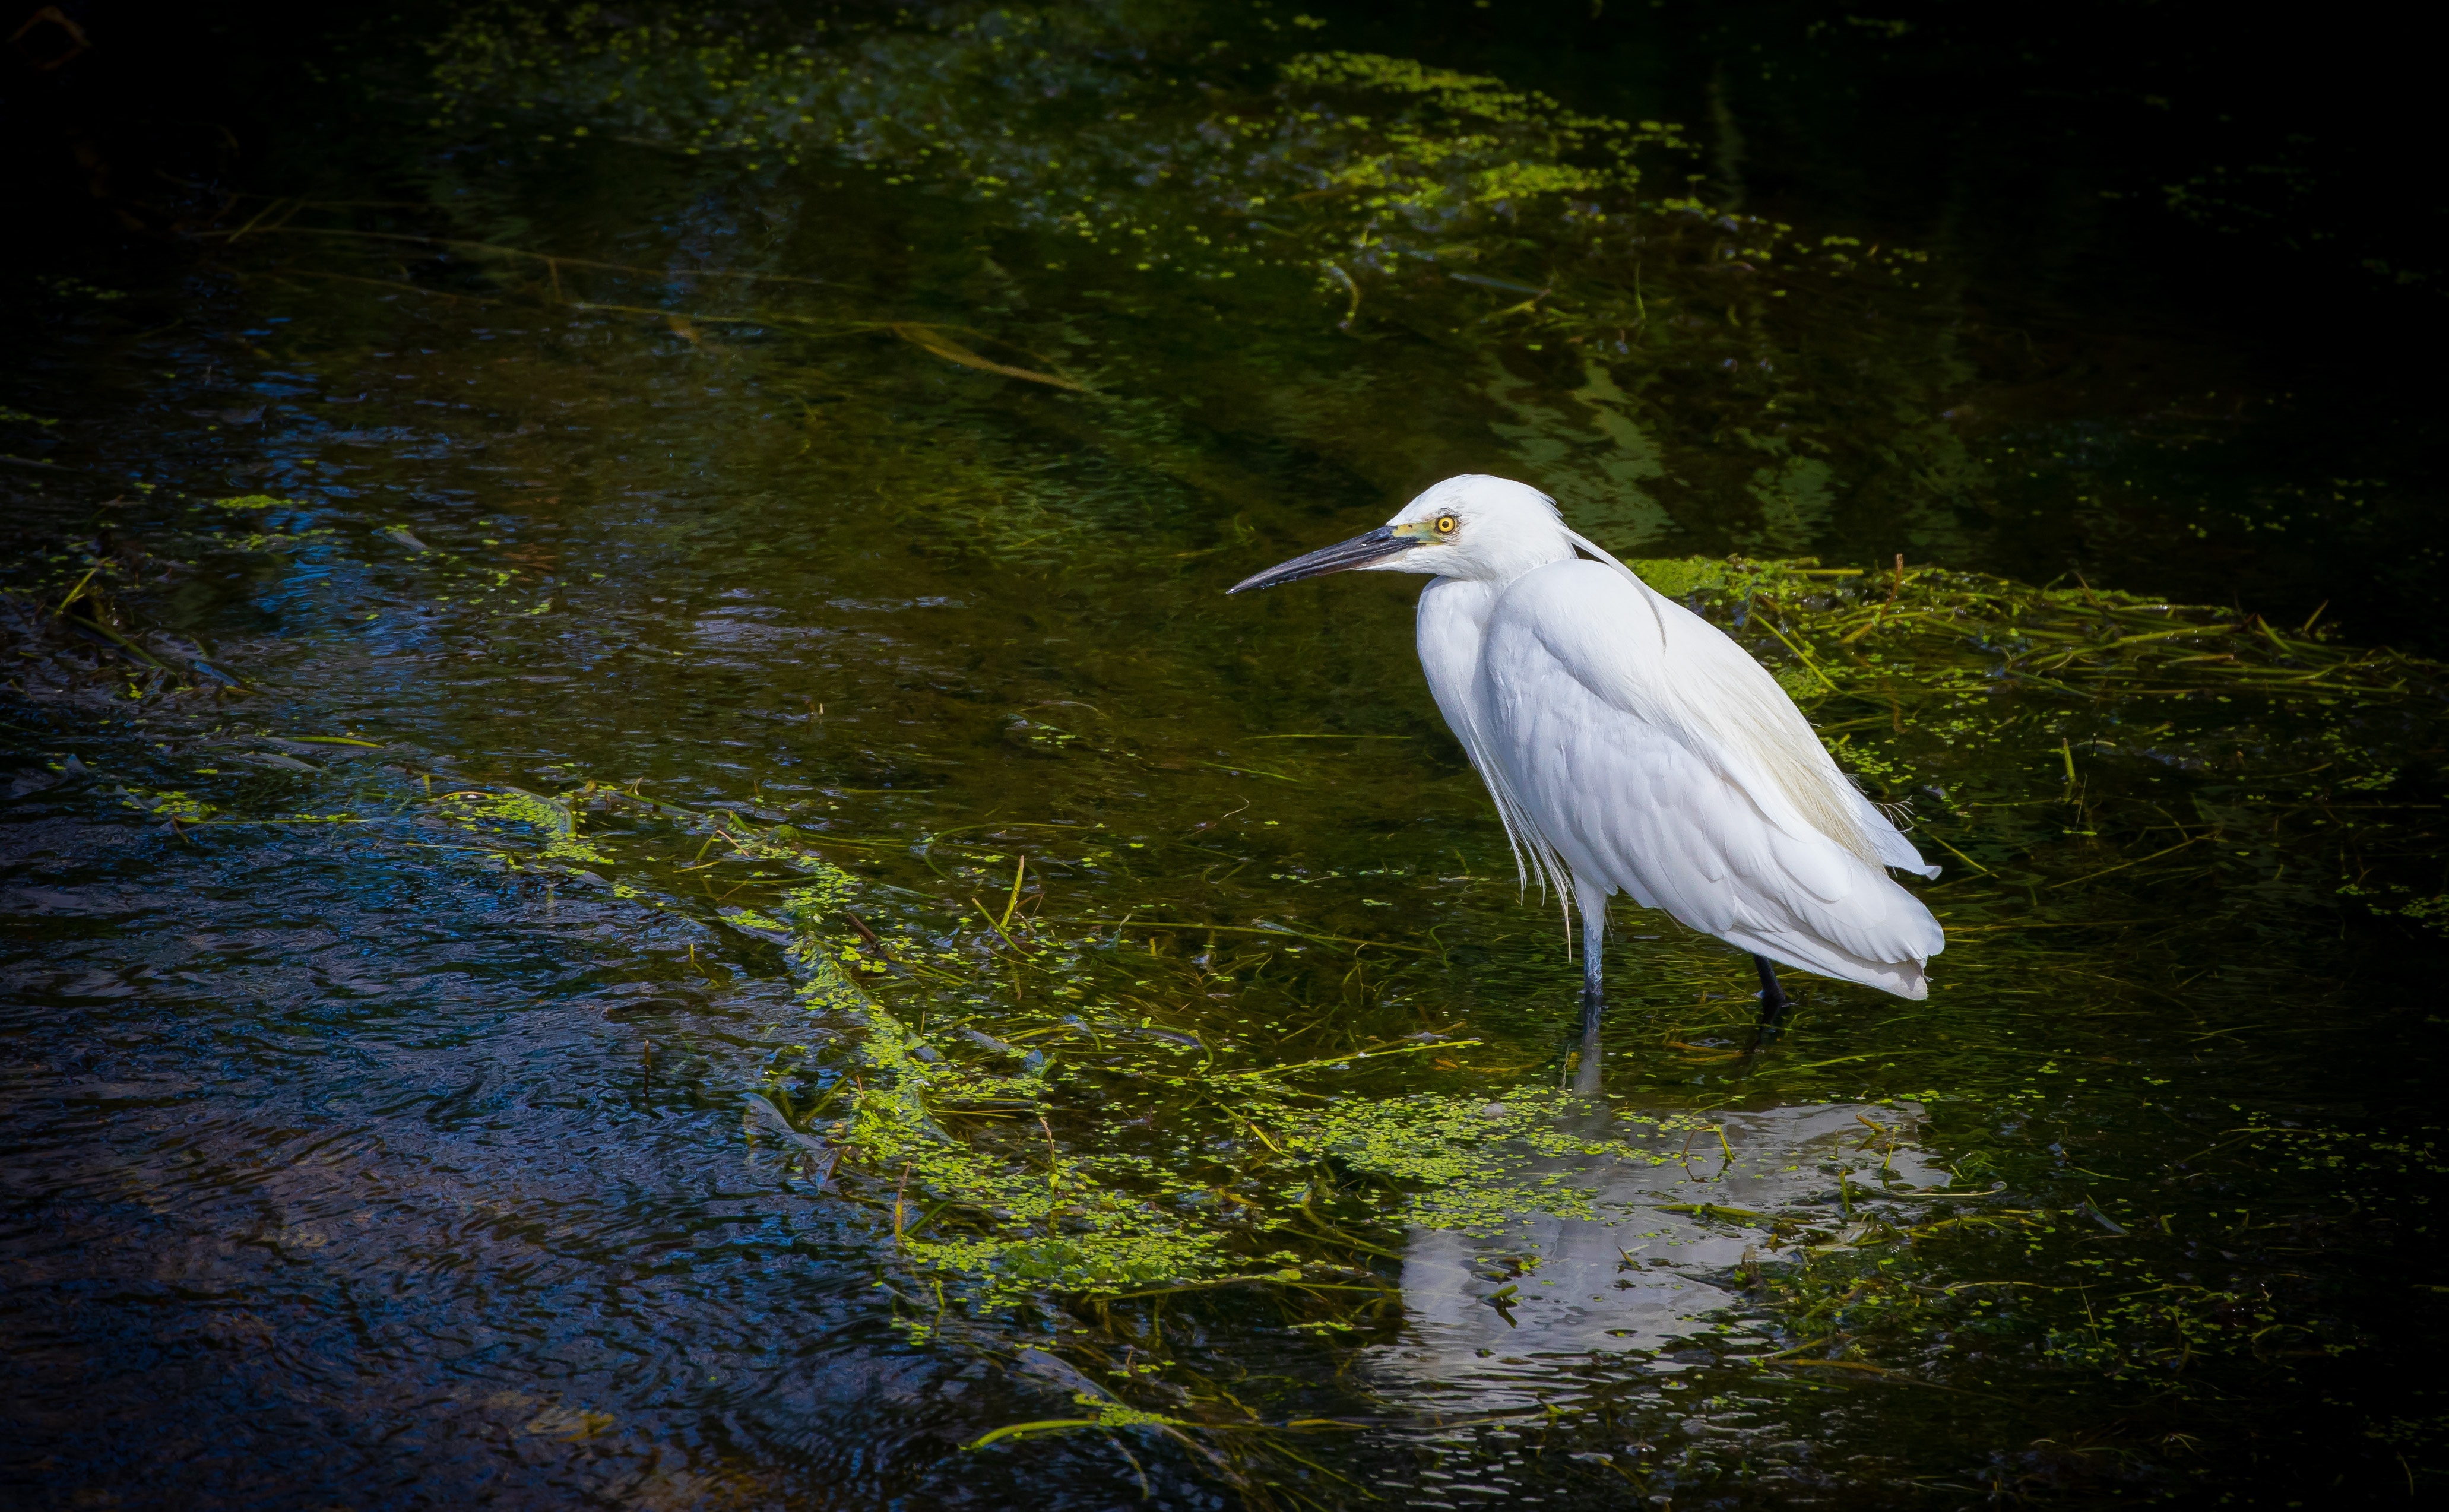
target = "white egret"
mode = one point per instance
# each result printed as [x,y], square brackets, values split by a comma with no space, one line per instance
[1631,746]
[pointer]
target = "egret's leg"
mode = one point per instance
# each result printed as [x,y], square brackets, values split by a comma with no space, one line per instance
[1585,1073]
[1593,941]
[1773,999]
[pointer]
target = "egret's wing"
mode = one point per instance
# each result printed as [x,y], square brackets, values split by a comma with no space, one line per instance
[1686,673]
[1650,758]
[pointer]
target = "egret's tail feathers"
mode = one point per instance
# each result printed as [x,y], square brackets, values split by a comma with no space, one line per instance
[1887,838]
[1904,978]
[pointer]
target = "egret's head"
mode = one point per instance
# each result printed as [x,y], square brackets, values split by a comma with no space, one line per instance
[1470,526]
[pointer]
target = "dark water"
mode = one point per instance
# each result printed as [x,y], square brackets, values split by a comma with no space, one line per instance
[518,412]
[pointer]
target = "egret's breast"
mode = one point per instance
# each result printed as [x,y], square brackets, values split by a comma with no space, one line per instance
[1452,629]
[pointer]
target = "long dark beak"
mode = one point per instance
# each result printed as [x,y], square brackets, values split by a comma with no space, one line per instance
[1342,556]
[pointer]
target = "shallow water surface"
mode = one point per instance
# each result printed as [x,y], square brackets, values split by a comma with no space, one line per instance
[646,867]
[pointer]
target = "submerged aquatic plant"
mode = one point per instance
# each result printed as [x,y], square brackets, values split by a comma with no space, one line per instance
[1611,331]
[1354,156]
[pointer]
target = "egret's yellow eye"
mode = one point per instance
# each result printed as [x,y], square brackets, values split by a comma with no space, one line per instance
[1447,525]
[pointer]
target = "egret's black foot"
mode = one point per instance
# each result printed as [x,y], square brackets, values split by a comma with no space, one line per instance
[1773,1001]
